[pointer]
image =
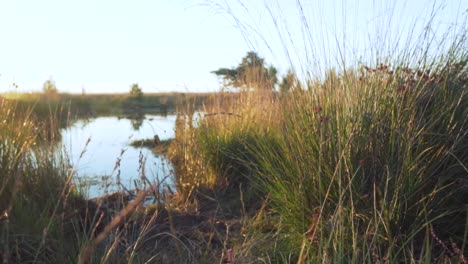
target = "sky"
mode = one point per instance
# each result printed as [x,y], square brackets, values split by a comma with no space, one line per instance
[104,46]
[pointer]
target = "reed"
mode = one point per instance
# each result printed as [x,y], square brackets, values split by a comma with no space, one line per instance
[34,181]
[359,166]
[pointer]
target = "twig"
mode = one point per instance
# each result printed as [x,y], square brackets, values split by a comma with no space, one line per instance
[89,249]
[223,113]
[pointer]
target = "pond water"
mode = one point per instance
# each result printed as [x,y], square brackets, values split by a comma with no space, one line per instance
[100,152]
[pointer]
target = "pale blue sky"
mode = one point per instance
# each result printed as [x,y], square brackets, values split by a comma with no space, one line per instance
[172,45]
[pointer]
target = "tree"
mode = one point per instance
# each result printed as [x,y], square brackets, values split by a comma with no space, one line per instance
[289,82]
[250,73]
[135,91]
[49,87]
[137,122]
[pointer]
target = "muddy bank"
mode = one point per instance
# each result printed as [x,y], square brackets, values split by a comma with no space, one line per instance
[166,230]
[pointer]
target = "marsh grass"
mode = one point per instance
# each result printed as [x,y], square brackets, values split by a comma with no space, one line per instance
[364,166]
[85,105]
[368,164]
[358,168]
[361,164]
[33,181]
[46,219]
[213,154]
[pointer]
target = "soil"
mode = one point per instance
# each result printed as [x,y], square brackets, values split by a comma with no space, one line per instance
[207,229]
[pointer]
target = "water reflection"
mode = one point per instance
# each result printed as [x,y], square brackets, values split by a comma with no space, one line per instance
[104,161]
[137,123]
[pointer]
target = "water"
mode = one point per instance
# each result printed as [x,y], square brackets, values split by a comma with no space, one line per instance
[109,144]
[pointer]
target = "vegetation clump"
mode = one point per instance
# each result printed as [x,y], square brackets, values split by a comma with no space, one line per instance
[159,146]
[367,165]
[49,87]
[34,188]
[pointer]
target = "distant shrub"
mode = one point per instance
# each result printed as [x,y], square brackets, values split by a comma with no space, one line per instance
[49,87]
[136,91]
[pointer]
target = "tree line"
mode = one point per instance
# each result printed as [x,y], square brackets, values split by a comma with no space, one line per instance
[251,73]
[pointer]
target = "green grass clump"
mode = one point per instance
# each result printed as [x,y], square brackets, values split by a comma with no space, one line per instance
[214,153]
[34,187]
[367,168]
[367,165]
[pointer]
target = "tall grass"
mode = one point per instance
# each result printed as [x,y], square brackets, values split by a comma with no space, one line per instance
[359,168]
[369,167]
[368,164]
[363,164]
[212,154]
[34,182]
[45,219]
